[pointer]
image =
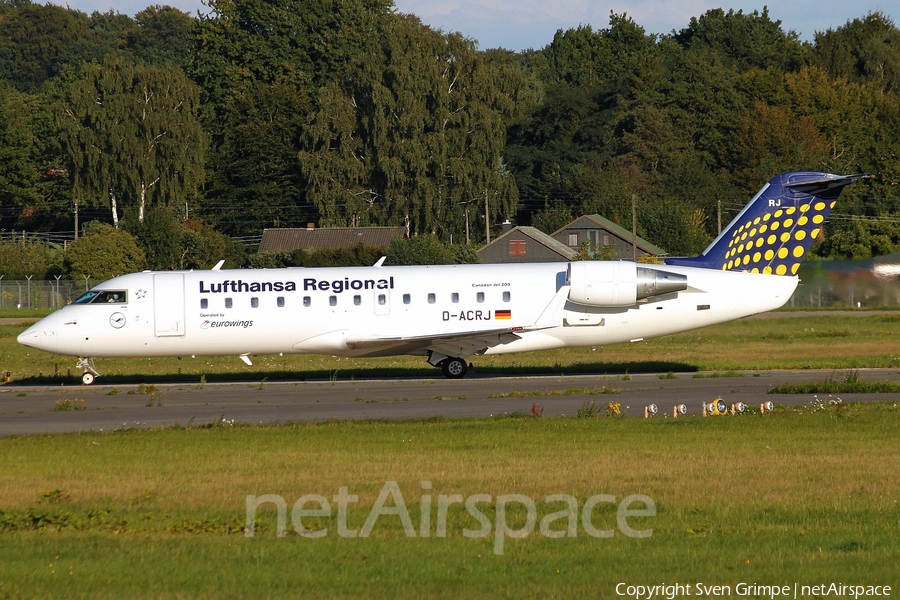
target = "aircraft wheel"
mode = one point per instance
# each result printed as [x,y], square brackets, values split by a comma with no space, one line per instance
[454,368]
[87,378]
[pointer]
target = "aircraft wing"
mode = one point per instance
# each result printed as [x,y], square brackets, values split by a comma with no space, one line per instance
[461,344]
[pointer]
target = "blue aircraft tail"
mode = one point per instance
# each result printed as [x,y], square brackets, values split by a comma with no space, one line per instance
[774,231]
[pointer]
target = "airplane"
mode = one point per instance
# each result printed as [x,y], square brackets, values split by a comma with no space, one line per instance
[449,313]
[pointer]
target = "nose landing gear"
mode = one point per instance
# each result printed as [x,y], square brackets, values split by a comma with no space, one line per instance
[87,365]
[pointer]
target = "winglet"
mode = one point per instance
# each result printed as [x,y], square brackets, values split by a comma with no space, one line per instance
[774,231]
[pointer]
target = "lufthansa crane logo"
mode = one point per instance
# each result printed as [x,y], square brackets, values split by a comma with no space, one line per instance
[117,320]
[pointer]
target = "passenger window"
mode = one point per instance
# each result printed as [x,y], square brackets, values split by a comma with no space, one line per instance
[227,302]
[406,299]
[454,298]
[382,299]
[479,297]
[506,296]
[204,303]
[431,299]
[254,302]
[307,301]
[357,300]
[280,301]
[332,300]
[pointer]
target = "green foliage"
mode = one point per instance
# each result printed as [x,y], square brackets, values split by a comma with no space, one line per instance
[20,259]
[357,256]
[415,135]
[163,34]
[18,173]
[160,237]
[554,216]
[130,132]
[747,41]
[256,179]
[37,40]
[102,253]
[428,250]
[368,117]
[170,243]
[585,252]
[863,49]
[202,247]
[862,239]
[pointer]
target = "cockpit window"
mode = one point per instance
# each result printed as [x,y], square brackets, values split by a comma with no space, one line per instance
[103,297]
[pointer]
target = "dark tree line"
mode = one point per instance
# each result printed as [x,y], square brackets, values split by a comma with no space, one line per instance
[269,113]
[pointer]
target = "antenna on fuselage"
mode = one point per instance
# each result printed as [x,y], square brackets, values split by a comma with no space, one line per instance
[380,262]
[219,265]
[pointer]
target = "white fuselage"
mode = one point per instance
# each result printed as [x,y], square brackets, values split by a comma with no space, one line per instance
[358,311]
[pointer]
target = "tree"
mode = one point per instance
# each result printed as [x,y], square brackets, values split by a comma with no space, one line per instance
[18,174]
[36,41]
[20,259]
[861,50]
[160,237]
[771,139]
[203,247]
[305,44]
[414,136]
[861,239]
[102,253]
[582,57]
[162,34]
[427,249]
[255,177]
[745,41]
[131,132]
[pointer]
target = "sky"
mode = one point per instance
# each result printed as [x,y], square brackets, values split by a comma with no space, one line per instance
[522,24]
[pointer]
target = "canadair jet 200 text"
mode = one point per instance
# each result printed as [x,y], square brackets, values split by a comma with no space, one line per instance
[452,312]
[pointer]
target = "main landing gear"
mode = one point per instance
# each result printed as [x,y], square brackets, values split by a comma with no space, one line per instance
[87,365]
[454,368]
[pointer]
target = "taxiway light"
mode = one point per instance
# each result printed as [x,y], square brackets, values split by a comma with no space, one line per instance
[679,410]
[650,410]
[737,407]
[716,407]
[766,406]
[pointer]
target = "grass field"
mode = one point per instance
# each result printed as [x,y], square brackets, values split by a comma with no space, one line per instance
[805,496]
[802,495]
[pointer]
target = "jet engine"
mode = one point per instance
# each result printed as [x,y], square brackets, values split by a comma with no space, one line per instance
[619,283]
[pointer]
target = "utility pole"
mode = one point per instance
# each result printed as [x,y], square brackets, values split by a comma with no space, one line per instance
[634,227]
[719,206]
[467,226]
[487,218]
[76,218]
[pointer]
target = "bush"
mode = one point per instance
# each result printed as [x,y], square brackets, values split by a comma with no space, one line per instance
[103,252]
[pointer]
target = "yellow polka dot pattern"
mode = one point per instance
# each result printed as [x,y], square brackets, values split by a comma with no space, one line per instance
[776,241]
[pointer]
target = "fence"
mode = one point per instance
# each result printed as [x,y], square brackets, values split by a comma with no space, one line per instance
[39,293]
[823,284]
[849,283]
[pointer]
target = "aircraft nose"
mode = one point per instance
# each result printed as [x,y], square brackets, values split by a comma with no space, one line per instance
[42,335]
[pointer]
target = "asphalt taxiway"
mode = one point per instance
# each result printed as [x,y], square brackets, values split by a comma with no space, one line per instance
[32,409]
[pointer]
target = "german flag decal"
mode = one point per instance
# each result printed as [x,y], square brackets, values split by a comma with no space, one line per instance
[503,314]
